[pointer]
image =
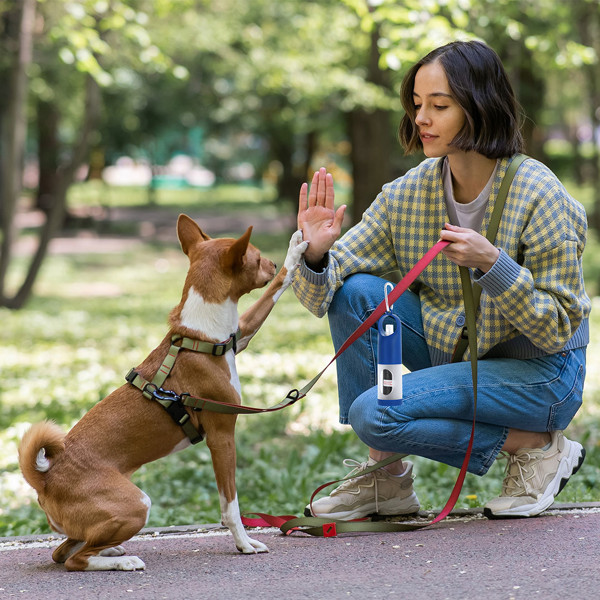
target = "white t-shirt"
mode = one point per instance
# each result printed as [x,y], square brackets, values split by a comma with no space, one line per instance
[468,215]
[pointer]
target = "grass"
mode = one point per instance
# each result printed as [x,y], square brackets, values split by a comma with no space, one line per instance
[96,315]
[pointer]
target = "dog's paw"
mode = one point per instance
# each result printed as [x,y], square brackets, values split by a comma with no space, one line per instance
[251,546]
[295,251]
[115,563]
[133,563]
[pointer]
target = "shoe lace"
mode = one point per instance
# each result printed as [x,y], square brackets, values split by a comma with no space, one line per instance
[358,467]
[520,468]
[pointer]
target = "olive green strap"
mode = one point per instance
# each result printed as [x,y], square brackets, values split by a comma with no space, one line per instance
[492,230]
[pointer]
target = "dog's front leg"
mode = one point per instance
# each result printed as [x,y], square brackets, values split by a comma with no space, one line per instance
[223,457]
[255,316]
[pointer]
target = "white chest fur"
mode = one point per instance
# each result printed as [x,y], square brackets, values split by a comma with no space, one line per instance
[217,321]
[213,320]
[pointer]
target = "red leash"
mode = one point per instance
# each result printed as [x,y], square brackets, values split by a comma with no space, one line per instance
[398,290]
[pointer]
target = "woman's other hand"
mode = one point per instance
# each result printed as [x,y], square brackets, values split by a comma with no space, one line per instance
[469,248]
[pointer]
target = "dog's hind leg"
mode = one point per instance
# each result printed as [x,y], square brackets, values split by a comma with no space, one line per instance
[103,552]
[121,513]
[68,547]
[91,558]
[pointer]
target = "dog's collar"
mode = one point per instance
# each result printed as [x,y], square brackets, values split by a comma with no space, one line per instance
[218,349]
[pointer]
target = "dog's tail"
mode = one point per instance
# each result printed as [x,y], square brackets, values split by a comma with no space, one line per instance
[40,445]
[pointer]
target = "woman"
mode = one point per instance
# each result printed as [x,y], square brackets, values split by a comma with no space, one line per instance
[532,322]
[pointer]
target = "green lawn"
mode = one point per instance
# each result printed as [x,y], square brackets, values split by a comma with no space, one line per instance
[94,316]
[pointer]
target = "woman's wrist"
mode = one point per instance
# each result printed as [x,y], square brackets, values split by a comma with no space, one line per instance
[489,260]
[317,265]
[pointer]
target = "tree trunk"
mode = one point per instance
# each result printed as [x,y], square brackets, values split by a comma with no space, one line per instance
[370,156]
[65,176]
[293,174]
[48,117]
[19,24]
[589,30]
[370,140]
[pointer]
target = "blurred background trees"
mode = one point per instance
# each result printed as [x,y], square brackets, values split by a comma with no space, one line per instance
[263,90]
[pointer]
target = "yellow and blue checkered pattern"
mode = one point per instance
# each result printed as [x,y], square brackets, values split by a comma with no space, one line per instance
[534,292]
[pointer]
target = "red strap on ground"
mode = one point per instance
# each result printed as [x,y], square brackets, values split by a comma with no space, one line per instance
[266,520]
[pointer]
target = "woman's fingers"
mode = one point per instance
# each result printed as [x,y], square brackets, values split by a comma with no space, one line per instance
[303,198]
[329,192]
[314,188]
[321,189]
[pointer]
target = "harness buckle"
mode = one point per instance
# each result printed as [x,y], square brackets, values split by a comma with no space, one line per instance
[175,409]
[219,349]
[164,395]
[130,377]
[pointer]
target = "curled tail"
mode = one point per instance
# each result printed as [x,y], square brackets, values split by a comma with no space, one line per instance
[41,443]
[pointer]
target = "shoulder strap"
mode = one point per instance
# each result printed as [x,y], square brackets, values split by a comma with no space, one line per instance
[492,230]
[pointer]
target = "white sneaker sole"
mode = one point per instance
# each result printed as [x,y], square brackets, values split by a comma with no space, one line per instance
[408,506]
[568,466]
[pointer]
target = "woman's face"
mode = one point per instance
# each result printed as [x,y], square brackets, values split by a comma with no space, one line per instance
[438,116]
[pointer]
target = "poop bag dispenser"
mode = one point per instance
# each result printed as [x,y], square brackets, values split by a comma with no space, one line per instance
[389,361]
[389,357]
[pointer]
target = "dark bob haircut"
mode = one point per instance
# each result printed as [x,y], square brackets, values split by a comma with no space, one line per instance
[481,87]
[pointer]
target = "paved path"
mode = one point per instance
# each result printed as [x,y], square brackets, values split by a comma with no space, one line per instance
[465,557]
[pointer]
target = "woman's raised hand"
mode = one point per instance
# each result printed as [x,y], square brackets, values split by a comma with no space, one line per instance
[320,223]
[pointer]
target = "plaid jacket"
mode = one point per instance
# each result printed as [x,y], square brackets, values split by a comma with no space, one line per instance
[533,300]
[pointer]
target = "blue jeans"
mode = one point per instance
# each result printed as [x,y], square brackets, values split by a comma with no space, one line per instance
[435,417]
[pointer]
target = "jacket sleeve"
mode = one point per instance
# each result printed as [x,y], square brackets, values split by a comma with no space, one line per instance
[542,293]
[365,248]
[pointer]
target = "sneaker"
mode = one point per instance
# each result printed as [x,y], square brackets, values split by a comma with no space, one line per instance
[378,492]
[534,477]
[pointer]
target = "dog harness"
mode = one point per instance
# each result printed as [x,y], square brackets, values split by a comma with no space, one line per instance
[174,403]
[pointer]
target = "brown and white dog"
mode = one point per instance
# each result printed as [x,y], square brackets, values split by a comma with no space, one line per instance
[83,479]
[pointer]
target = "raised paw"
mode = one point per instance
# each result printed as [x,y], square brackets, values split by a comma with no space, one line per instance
[295,251]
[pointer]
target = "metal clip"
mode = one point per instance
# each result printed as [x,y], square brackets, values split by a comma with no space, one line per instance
[293,395]
[385,291]
[165,395]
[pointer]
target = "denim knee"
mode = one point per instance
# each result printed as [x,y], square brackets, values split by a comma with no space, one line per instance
[352,295]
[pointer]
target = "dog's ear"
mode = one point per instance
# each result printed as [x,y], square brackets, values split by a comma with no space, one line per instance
[234,258]
[189,233]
